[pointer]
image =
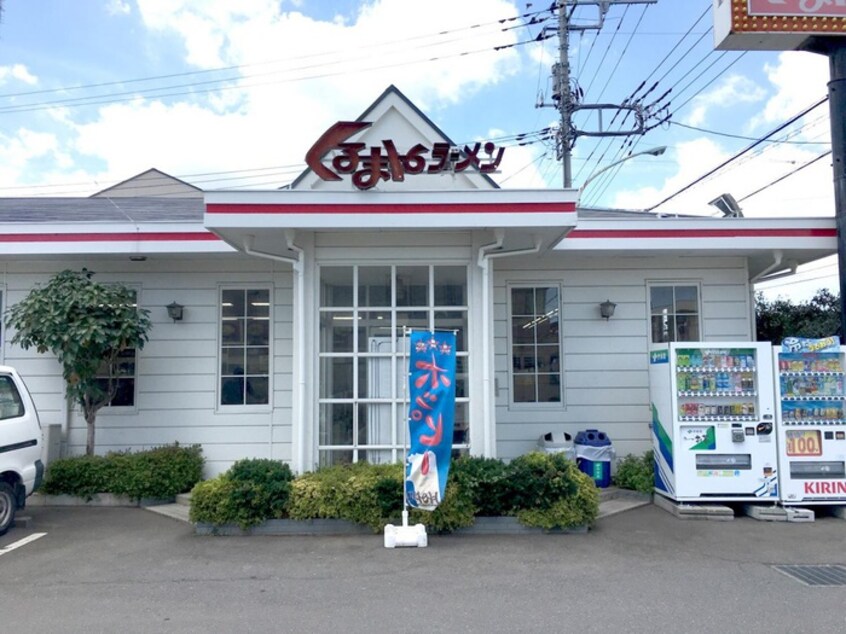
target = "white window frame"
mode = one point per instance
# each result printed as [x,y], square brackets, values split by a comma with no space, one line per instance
[243,408]
[650,284]
[537,405]
[398,403]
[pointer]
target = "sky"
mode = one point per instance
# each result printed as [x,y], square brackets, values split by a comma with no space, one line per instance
[230,95]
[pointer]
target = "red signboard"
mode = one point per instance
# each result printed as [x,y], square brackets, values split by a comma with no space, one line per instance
[368,166]
[798,8]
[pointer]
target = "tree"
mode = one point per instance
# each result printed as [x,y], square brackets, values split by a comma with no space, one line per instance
[780,318]
[86,325]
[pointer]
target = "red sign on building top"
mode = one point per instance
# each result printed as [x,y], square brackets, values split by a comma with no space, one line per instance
[799,8]
[368,166]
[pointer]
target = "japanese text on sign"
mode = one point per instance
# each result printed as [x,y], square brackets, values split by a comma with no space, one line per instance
[368,166]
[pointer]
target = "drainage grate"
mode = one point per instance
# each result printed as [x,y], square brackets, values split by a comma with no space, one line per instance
[818,575]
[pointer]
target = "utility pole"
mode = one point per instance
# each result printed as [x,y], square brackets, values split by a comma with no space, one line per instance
[564,97]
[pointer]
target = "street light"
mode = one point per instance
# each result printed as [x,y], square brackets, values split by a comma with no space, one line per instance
[656,151]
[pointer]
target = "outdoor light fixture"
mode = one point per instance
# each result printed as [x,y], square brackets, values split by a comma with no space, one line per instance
[655,151]
[174,311]
[606,309]
[728,205]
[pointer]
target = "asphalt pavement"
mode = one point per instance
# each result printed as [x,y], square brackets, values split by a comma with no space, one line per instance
[128,570]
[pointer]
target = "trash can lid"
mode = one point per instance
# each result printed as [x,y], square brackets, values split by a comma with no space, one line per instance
[555,439]
[593,438]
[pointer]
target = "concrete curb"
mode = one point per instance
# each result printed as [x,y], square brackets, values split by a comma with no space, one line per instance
[98,500]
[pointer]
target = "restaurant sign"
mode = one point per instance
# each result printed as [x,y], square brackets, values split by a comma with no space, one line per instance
[775,24]
[798,8]
[369,166]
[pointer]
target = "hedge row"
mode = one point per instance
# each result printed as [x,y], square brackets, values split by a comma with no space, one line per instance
[540,489]
[159,473]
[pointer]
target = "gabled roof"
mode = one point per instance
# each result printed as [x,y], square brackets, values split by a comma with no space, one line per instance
[152,182]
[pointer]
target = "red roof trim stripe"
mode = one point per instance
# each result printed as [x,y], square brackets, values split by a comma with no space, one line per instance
[109,237]
[702,233]
[391,208]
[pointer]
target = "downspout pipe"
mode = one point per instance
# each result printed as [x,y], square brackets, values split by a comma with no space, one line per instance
[777,258]
[487,253]
[297,262]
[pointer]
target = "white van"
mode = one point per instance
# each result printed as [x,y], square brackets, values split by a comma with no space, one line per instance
[21,468]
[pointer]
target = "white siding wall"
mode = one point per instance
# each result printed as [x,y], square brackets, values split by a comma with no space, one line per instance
[177,370]
[605,363]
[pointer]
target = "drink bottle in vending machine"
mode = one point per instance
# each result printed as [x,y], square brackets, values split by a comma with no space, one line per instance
[811,420]
[713,421]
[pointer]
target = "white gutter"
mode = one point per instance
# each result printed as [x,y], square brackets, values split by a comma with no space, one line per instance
[487,253]
[299,319]
[777,257]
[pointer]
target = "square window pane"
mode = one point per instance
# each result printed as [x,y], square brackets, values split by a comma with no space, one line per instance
[232,361]
[336,332]
[377,424]
[522,330]
[336,286]
[461,427]
[687,328]
[547,358]
[258,390]
[462,376]
[374,331]
[663,328]
[376,456]
[547,330]
[232,303]
[660,299]
[336,378]
[335,457]
[258,361]
[374,286]
[375,381]
[336,424]
[232,331]
[522,301]
[450,286]
[523,358]
[686,299]
[418,320]
[258,332]
[258,303]
[546,301]
[453,320]
[232,391]
[549,388]
[524,388]
[412,285]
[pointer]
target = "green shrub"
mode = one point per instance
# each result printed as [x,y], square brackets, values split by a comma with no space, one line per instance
[636,473]
[483,480]
[251,491]
[548,491]
[456,510]
[158,473]
[580,509]
[362,493]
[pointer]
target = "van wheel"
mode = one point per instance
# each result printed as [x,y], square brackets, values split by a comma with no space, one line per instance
[8,506]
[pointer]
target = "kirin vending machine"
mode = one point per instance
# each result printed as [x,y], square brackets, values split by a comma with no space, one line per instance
[811,421]
[713,421]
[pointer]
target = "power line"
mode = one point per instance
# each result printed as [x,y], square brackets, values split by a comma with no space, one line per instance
[781,178]
[743,138]
[741,153]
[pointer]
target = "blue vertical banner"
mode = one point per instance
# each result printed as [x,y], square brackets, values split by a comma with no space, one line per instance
[431,417]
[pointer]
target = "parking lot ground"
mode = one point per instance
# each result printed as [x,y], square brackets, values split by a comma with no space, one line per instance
[128,570]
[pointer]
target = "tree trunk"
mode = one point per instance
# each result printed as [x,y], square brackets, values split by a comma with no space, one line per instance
[89,443]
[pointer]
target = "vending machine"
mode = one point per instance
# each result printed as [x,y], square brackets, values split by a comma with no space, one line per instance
[811,421]
[713,421]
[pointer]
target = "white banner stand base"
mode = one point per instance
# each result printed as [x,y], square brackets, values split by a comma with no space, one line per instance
[405,535]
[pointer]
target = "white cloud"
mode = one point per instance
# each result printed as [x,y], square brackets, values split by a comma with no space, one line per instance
[732,90]
[19,72]
[118,7]
[799,79]
[298,76]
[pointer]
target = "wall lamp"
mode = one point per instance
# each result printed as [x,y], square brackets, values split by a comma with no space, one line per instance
[606,309]
[175,311]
